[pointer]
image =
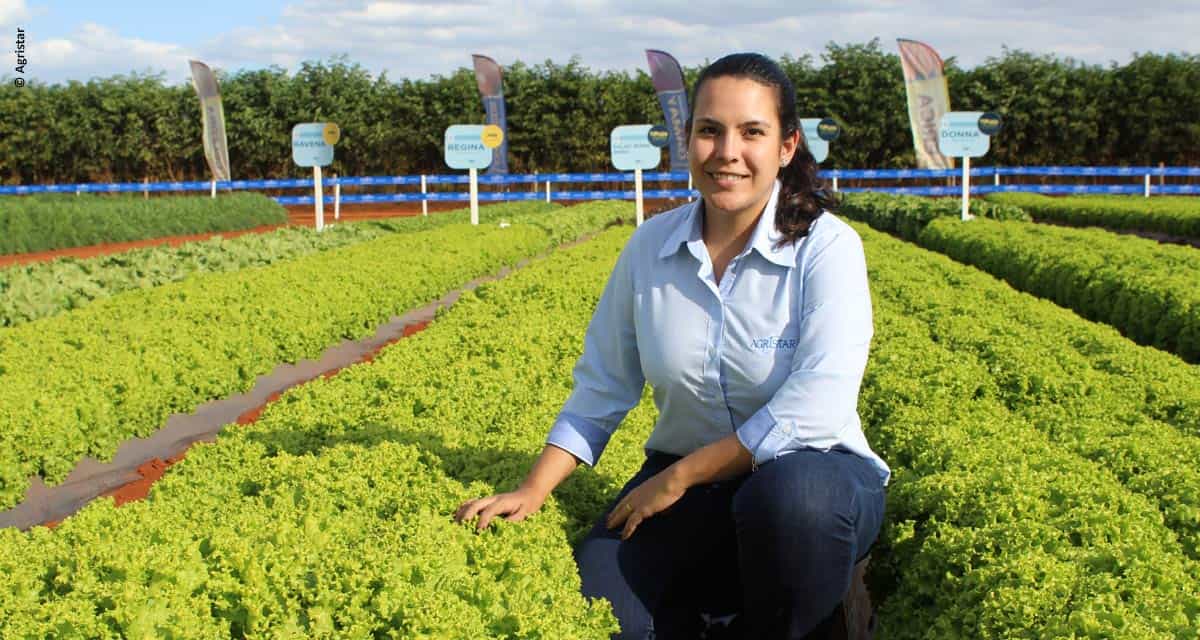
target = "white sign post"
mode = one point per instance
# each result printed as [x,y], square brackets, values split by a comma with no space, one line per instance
[312,146]
[469,146]
[966,134]
[633,150]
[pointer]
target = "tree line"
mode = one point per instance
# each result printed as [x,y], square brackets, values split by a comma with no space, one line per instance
[1057,111]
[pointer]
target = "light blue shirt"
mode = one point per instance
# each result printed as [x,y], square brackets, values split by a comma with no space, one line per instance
[774,353]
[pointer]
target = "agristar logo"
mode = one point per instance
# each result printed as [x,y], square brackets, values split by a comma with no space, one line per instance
[774,343]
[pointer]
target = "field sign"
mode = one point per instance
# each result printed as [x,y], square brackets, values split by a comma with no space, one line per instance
[818,144]
[959,135]
[465,148]
[312,143]
[631,148]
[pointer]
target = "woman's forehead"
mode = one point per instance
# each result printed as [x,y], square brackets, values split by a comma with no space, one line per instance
[731,99]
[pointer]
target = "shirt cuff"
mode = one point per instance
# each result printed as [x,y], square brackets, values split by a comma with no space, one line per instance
[760,436]
[578,436]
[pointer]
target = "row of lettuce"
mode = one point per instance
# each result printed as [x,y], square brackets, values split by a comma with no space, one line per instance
[1177,216]
[55,221]
[46,222]
[81,383]
[1043,482]
[42,289]
[1149,291]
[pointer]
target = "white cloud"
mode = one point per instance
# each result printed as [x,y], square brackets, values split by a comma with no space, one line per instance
[98,51]
[13,13]
[419,39]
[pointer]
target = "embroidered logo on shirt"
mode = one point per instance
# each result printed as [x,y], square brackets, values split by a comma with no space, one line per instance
[774,342]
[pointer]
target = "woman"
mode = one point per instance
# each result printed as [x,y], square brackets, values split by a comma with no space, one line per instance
[748,312]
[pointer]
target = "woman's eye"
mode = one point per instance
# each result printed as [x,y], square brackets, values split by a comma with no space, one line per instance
[708,130]
[754,132]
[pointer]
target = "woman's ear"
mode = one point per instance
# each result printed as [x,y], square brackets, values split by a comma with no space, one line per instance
[788,149]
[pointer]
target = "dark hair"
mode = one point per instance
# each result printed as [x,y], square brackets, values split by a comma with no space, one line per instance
[802,193]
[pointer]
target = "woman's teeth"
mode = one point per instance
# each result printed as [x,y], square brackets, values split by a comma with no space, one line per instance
[726,177]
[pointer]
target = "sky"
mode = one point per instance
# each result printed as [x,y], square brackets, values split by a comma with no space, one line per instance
[78,40]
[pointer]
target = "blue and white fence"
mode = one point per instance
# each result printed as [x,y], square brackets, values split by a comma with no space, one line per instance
[542,184]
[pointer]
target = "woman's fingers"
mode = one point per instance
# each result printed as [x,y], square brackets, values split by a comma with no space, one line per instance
[631,524]
[499,506]
[619,514]
[470,508]
[514,506]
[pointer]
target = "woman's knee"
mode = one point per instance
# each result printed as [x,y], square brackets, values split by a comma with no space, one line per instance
[809,496]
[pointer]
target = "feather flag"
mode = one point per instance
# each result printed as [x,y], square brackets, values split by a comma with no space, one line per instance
[928,100]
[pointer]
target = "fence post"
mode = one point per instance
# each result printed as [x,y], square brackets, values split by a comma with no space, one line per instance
[547,190]
[214,187]
[1147,185]
[424,202]
[337,198]
[690,186]
[835,182]
[145,188]
[996,176]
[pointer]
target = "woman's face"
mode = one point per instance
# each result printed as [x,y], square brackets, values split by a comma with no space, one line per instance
[736,145]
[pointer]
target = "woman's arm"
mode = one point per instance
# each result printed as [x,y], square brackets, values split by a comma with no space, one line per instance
[721,460]
[552,467]
[724,459]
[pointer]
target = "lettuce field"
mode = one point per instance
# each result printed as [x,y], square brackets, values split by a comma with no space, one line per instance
[1033,387]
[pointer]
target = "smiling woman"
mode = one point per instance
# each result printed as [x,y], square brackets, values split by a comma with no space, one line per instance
[749,314]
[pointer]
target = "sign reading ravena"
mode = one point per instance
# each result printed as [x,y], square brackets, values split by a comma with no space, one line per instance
[310,144]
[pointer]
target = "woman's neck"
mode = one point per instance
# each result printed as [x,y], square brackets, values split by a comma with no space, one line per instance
[726,234]
[723,230]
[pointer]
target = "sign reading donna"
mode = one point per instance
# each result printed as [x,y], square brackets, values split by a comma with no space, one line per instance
[960,136]
[467,147]
[631,148]
[312,143]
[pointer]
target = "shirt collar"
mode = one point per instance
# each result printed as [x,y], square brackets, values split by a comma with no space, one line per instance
[764,239]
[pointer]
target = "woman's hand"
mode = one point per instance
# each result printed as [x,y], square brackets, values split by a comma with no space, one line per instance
[649,498]
[514,505]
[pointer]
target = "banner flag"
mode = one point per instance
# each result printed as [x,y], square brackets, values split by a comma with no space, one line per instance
[667,76]
[213,115]
[489,79]
[928,101]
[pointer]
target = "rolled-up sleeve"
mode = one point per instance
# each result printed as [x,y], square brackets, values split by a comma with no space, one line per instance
[819,398]
[608,376]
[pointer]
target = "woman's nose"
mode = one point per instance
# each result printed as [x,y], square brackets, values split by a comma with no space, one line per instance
[727,146]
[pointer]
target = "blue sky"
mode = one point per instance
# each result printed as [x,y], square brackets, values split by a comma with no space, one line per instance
[168,21]
[76,40]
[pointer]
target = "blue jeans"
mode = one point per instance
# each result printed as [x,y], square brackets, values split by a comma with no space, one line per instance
[777,547]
